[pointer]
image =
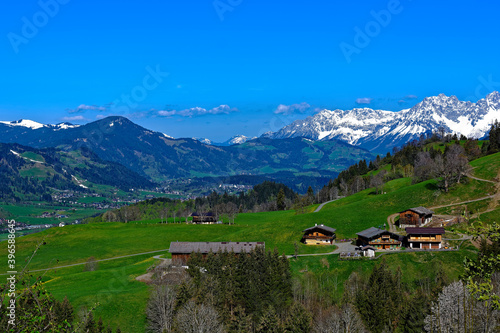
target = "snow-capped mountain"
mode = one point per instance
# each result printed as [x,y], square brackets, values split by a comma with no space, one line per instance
[380,130]
[235,140]
[24,123]
[203,140]
[61,126]
[35,125]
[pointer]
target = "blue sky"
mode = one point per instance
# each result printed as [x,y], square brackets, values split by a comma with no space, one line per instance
[220,68]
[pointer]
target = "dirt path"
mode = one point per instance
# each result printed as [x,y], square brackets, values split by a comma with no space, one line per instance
[324,203]
[341,247]
[107,259]
[496,196]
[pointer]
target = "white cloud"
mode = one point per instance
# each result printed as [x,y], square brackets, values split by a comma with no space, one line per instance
[82,108]
[74,118]
[407,98]
[198,111]
[289,109]
[364,100]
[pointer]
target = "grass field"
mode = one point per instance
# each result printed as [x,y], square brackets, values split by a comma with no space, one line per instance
[122,299]
[330,272]
[28,213]
[487,167]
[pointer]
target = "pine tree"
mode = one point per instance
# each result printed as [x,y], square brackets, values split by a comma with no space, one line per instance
[100,326]
[280,200]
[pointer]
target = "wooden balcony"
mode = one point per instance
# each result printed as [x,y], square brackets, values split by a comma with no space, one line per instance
[424,239]
[385,242]
[319,237]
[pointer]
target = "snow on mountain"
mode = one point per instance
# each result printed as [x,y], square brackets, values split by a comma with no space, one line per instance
[24,123]
[167,136]
[238,139]
[381,130]
[203,140]
[63,126]
[35,125]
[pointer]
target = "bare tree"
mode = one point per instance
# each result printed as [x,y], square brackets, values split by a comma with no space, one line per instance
[160,310]
[424,167]
[378,182]
[453,167]
[457,311]
[344,320]
[358,184]
[457,161]
[91,264]
[344,187]
[202,318]
[232,211]
[334,193]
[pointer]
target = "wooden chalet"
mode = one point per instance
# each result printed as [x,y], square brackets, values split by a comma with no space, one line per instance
[415,217]
[182,250]
[204,218]
[379,239]
[319,235]
[424,238]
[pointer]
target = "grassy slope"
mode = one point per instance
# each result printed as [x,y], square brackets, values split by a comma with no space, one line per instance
[415,266]
[487,167]
[122,299]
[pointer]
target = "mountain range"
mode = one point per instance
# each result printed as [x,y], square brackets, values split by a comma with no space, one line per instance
[318,146]
[159,157]
[380,131]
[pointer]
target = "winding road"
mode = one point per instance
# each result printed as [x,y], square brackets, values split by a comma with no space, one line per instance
[390,218]
[324,203]
[107,259]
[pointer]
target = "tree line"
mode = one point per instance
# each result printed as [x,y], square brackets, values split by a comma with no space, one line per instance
[421,159]
[268,196]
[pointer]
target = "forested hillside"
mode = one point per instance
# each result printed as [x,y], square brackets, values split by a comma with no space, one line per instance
[33,174]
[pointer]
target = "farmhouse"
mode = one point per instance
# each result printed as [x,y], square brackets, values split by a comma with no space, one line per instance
[379,239]
[424,238]
[182,250]
[204,218]
[319,235]
[415,217]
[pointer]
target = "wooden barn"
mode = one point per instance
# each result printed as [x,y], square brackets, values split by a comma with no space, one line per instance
[181,251]
[204,218]
[415,217]
[379,239]
[424,238]
[319,235]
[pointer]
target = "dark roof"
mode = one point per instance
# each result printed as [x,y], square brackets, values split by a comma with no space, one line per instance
[425,231]
[420,210]
[322,227]
[368,247]
[206,247]
[371,232]
[204,214]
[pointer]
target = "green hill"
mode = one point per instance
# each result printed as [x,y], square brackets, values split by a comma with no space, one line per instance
[33,174]
[122,299]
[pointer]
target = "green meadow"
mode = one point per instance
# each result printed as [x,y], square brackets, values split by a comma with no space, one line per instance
[121,300]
